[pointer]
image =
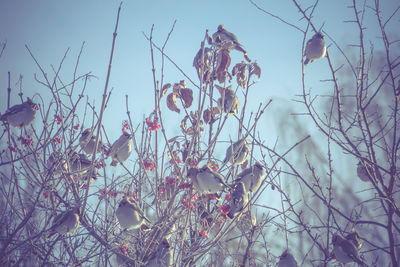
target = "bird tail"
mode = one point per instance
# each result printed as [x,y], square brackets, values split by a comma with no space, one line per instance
[306,62]
[247,58]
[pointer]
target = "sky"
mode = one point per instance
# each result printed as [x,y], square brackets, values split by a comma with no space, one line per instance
[50,27]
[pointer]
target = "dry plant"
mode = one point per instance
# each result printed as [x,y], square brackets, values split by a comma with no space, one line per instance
[47,168]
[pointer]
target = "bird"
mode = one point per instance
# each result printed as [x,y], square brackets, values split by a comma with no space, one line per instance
[315,48]
[237,152]
[56,164]
[226,38]
[130,216]
[364,171]
[206,181]
[121,149]
[287,260]
[230,102]
[20,115]
[80,164]
[355,238]
[239,200]
[162,256]
[87,141]
[251,177]
[345,251]
[65,223]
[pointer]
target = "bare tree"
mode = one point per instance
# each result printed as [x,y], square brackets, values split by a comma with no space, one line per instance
[48,169]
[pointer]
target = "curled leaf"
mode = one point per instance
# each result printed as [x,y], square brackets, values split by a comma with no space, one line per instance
[207,115]
[164,89]
[221,89]
[186,95]
[255,69]
[223,62]
[240,70]
[171,102]
[184,124]
[205,64]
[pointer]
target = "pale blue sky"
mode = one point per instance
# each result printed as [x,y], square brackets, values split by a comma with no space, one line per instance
[49,27]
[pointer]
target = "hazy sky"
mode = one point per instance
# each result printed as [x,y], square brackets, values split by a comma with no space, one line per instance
[50,27]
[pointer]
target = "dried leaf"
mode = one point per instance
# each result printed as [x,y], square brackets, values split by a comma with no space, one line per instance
[171,102]
[184,124]
[173,139]
[221,89]
[209,39]
[240,70]
[215,111]
[164,89]
[255,70]
[207,58]
[186,95]
[190,131]
[207,115]
[223,62]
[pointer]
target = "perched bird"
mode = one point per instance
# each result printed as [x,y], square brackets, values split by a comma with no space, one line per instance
[162,257]
[121,261]
[287,260]
[237,152]
[20,115]
[230,102]
[206,181]
[65,223]
[121,149]
[251,177]
[239,200]
[56,164]
[345,251]
[225,38]
[87,141]
[315,48]
[130,215]
[364,171]
[80,164]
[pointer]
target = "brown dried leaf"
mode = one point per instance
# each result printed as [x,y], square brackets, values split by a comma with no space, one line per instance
[240,70]
[164,89]
[190,131]
[173,139]
[255,70]
[207,115]
[184,124]
[171,103]
[223,62]
[186,95]
[215,111]
[221,89]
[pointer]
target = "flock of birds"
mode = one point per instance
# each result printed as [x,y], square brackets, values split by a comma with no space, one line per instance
[205,180]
